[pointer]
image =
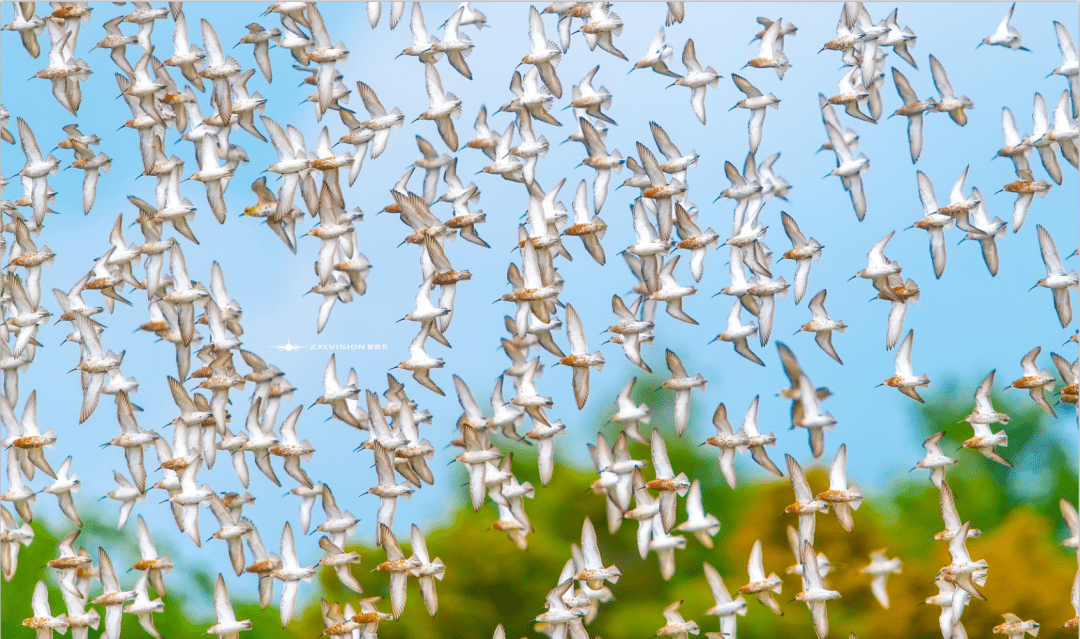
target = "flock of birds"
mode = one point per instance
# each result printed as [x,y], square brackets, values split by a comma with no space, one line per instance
[161,111]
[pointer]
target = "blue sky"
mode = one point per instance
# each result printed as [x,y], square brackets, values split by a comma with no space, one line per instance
[966,324]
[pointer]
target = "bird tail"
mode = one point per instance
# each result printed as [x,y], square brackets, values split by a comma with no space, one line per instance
[715,82]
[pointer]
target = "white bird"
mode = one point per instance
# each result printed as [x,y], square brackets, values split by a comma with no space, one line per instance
[701,524]
[113,597]
[697,79]
[822,326]
[143,607]
[757,102]
[802,251]
[949,102]
[844,498]
[978,226]
[290,574]
[814,593]
[219,69]
[737,332]
[1005,35]
[594,573]
[388,490]
[962,571]
[442,105]
[771,51]
[666,482]
[880,568]
[1057,280]
[905,379]
[682,384]
[658,57]
[43,622]
[601,161]
[629,414]
[399,568]
[936,460]
[66,483]
[544,54]
[340,561]
[759,584]
[579,358]
[1070,65]
[227,627]
[849,169]
[726,607]
[806,505]
[13,537]
[428,571]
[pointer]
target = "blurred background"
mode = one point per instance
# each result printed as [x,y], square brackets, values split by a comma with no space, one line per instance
[967,323]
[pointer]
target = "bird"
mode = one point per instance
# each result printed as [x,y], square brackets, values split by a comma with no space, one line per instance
[1025,188]
[697,79]
[913,109]
[428,571]
[594,573]
[737,333]
[806,413]
[759,584]
[934,222]
[113,597]
[771,51]
[667,482]
[676,626]
[1015,627]
[843,497]
[600,160]
[806,506]
[631,415]
[701,524]
[822,326]
[880,268]
[814,593]
[1057,280]
[1005,35]
[978,226]
[601,27]
[388,490]
[219,69]
[290,573]
[544,54]
[579,358]
[66,483]
[1035,380]
[880,567]
[399,568]
[443,105]
[590,230]
[757,102]
[802,252]
[682,384]
[849,169]
[936,460]
[905,379]
[658,57]
[962,571]
[952,517]
[1070,66]
[43,622]
[948,103]
[227,625]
